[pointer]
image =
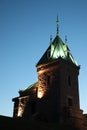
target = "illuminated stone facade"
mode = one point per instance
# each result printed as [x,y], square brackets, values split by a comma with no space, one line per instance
[55,96]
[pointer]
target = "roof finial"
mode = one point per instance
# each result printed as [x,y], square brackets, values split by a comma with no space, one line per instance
[57,22]
[50,38]
[65,38]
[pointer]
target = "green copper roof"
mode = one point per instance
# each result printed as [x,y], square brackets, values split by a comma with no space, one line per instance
[56,50]
[28,88]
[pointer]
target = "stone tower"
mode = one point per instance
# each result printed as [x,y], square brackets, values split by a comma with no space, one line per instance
[55,96]
[58,88]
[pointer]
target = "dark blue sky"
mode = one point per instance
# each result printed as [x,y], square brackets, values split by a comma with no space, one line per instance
[25,29]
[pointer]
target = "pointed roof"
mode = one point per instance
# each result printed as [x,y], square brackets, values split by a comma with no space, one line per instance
[57,49]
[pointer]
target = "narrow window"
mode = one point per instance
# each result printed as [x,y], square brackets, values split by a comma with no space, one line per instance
[33,107]
[69,81]
[70,103]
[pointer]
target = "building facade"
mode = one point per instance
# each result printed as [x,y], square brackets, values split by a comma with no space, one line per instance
[55,96]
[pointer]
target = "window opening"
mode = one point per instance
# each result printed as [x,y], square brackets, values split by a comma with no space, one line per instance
[33,107]
[70,103]
[69,81]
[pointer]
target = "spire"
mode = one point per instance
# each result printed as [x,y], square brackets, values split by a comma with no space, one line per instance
[50,38]
[57,22]
[65,38]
